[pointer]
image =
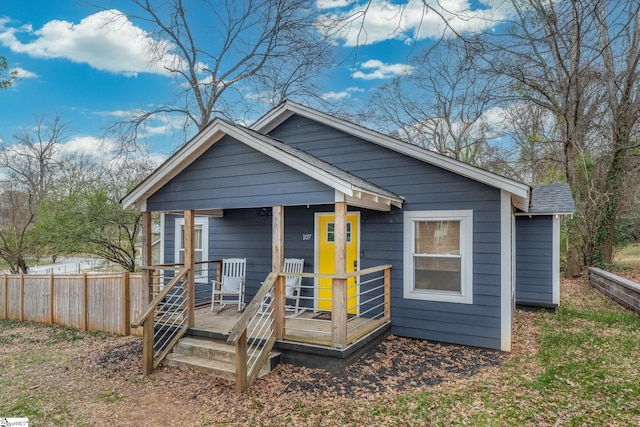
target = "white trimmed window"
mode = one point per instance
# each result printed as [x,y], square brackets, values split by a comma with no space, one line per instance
[438,256]
[200,243]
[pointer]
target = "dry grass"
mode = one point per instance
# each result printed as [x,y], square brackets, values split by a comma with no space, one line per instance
[629,256]
[578,366]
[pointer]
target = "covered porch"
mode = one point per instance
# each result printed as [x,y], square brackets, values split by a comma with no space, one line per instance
[229,173]
[357,314]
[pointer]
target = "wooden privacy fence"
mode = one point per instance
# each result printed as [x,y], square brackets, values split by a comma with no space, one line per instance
[91,302]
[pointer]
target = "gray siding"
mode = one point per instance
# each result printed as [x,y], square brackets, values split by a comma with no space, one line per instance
[424,187]
[534,260]
[233,175]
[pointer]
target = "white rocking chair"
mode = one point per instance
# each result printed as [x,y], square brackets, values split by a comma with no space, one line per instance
[293,283]
[231,287]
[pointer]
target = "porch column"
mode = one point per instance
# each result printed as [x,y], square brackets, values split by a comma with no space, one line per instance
[147,273]
[277,257]
[147,281]
[189,262]
[339,294]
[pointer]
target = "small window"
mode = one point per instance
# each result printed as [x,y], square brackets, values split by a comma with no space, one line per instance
[331,232]
[438,256]
[200,244]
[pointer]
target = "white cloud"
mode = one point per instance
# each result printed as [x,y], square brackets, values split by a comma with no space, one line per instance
[412,20]
[375,69]
[339,96]
[106,41]
[22,74]
[332,4]
[87,146]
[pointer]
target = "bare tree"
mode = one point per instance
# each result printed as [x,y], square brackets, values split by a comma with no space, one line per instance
[28,167]
[226,55]
[444,104]
[578,61]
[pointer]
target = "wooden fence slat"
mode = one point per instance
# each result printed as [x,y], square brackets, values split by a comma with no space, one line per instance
[51,298]
[85,304]
[102,302]
[22,297]
[5,303]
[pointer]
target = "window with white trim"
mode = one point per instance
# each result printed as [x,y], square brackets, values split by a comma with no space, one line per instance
[200,244]
[438,255]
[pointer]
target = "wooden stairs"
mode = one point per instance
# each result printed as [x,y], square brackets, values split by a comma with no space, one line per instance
[211,355]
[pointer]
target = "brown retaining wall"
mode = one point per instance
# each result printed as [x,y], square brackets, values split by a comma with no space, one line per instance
[621,290]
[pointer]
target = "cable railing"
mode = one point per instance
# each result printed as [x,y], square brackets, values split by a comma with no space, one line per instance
[369,304]
[255,334]
[204,273]
[366,307]
[165,320]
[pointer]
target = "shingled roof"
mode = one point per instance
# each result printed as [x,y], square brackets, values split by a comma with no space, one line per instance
[551,199]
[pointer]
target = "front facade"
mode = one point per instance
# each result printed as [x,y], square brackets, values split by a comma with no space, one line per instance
[449,230]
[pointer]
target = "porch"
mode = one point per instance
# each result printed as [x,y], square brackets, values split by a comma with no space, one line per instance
[357,319]
[306,340]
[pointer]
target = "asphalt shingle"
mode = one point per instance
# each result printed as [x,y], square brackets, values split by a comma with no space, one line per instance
[551,199]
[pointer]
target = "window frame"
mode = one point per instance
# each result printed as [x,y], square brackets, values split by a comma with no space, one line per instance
[465,296]
[203,222]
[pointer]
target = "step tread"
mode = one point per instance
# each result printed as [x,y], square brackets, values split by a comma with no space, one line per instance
[208,343]
[219,368]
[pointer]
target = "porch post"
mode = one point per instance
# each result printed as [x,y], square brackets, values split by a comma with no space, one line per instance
[339,294]
[147,273]
[189,262]
[277,257]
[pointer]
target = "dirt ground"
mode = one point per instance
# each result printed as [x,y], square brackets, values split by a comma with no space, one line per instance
[64,377]
[97,378]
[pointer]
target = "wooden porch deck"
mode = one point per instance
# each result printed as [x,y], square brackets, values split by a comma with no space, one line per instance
[307,338]
[308,327]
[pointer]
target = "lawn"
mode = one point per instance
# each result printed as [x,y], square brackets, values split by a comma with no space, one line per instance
[577,366]
[629,256]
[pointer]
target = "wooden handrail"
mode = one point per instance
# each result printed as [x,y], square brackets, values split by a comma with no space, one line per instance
[161,296]
[159,266]
[341,276]
[251,309]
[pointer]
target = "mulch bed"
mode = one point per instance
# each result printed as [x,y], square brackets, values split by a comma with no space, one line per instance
[396,365]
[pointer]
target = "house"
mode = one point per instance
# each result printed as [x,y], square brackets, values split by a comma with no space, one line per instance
[463,245]
[538,245]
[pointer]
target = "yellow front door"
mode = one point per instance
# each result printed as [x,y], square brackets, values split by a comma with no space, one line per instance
[326,254]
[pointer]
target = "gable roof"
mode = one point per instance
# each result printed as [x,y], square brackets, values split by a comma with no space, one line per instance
[355,190]
[520,192]
[551,199]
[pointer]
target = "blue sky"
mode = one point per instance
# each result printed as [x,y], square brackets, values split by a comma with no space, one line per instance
[69,63]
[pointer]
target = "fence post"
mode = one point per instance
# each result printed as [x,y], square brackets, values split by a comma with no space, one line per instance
[279,306]
[126,303]
[85,293]
[147,345]
[5,303]
[241,362]
[21,297]
[51,303]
